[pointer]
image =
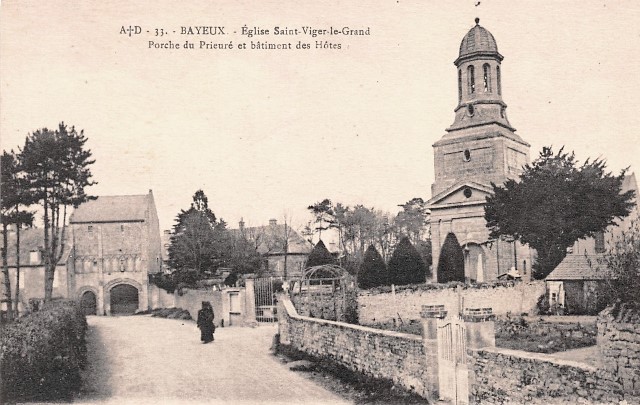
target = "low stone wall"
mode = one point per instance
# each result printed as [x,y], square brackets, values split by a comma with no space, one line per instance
[510,376]
[572,327]
[383,306]
[619,344]
[377,353]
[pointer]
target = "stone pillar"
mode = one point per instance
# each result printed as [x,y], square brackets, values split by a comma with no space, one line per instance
[480,326]
[249,301]
[430,315]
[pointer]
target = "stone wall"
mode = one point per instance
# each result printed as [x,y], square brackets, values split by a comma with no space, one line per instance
[377,353]
[511,376]
[406,303]
[619,344]
[583,327]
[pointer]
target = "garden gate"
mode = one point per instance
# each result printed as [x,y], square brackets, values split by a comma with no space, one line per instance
[453,373]
[265,298]
[326,292]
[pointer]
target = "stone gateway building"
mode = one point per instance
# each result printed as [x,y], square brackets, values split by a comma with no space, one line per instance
[116,245]
[479,148]
[112,244]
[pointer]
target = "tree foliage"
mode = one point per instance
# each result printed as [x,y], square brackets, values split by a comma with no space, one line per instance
[406,265]
[320,255]
[199,241]
[622,260]
[556,202]
[57,170]
[373,271]
[451,261]
[14,196]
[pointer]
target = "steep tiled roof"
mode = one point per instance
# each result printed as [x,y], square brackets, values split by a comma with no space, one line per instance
[579,267]
[32,239]
[297,245]
[113,208]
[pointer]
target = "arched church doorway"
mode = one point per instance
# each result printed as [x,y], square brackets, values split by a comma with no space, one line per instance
[88,303]
[124,300]
[475,262]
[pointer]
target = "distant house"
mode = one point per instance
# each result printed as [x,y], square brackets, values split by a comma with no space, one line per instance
[270,244]
[32,266]
[112,244]
[578,284]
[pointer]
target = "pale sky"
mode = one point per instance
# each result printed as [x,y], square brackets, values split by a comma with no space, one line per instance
[264,132]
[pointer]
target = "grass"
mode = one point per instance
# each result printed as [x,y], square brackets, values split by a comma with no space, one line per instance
[542,344]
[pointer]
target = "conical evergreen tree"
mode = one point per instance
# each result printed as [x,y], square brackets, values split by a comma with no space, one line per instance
[373,271]
[451,262]
[320,255]
[406,265]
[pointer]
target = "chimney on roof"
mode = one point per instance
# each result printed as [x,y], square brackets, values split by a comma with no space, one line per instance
[273,222]
[241,224]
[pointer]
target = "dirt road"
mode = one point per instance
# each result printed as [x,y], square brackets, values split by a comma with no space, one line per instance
[144,360]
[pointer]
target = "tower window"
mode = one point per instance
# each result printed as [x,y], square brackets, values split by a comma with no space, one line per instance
[467,192]
[599,238]
[498,80]
[471,79]
[486,70]
[90,228]
[459,85]
[471,109]
[467,155]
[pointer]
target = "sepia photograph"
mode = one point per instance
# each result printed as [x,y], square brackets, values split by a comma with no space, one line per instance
[319,202]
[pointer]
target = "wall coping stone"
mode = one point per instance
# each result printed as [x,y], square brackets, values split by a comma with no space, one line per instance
[293,313]
[544,357]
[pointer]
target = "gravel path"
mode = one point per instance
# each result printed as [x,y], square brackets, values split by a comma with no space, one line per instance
[145,360]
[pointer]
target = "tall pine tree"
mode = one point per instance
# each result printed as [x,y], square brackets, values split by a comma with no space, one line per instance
[451,262]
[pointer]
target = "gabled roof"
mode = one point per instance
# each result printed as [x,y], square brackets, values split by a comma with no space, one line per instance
[113,208]
[580,267]
[297,245]
[32,239]
[441,196]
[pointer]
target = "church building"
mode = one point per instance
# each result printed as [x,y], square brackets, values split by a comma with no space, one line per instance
[479,148]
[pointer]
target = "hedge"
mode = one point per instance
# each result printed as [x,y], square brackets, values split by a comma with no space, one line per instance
[41,354]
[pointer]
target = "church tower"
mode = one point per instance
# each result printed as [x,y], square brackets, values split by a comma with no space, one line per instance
[479,148]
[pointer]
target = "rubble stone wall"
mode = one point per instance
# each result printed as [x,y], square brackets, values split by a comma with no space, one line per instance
[511,376]
[619,344]
[377,353]
[406,303]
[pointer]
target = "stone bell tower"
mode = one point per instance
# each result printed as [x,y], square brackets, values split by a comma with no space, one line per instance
[479,148]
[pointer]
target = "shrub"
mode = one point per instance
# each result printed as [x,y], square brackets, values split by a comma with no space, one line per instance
[373,271]
[320,255]
[41,354]
[406,265]
[451,262]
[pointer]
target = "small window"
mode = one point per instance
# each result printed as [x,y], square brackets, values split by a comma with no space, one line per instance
[90,228]
[599,239]
[524,267]
[459,85]
[471,79]
[486,75]
[467,192]
[471,109]
[121,228]
[498,80]
[466,155]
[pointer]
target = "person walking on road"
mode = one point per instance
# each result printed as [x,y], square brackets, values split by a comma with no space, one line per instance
[205,322]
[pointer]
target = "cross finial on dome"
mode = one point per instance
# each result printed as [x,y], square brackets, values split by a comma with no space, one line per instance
[477,21]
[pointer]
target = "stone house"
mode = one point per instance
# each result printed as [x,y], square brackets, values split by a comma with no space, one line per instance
[479,148]
[32,267]
[270,244]
[112,244]
[578,284]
